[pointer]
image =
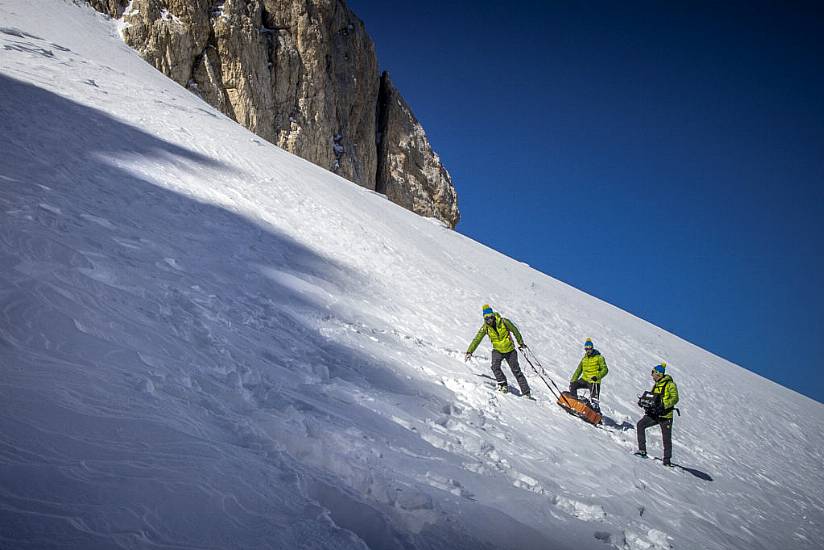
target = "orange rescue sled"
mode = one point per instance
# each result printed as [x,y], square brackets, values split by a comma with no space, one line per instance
[579,407]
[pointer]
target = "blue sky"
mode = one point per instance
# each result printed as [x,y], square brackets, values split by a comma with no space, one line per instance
[668,159]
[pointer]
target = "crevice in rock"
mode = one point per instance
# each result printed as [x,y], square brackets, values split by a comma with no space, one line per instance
[112,8]
[217,9]
[212,89]
[269,31]
[381,122]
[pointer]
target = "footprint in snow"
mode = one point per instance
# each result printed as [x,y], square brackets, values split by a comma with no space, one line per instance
[653,540]
[171,262]
[580,510]
[523,481]
[14,31]
[103,222]
[50,208]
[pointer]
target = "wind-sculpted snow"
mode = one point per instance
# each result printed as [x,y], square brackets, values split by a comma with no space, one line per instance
[213,344]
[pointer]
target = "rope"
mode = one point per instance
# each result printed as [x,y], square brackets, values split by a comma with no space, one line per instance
[560,394]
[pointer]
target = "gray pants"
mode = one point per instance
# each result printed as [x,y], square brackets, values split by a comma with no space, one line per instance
[666,431]
[512,361]
[581,384]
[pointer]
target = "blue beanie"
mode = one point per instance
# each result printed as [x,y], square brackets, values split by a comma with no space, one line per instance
[660,368]
[487,310]
[588,343]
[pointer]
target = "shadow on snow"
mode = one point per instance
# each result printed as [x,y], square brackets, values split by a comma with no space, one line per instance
[141,337]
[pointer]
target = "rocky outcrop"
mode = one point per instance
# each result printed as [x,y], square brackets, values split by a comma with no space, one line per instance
[113,8]
[302,74]
[409,171]
[169,34]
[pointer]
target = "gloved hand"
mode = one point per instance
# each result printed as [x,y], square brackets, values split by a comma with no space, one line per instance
[467,357]
[522,347]
[594,379]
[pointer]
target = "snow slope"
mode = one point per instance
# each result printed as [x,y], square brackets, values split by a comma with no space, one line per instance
[209,343]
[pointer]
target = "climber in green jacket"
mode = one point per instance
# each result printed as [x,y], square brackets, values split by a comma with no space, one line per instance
[500,331]
[666,397]
[591,370]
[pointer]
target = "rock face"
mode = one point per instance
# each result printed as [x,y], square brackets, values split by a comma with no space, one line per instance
[409,171]
[302,74]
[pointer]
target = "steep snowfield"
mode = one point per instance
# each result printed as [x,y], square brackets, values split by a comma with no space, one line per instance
[209,343]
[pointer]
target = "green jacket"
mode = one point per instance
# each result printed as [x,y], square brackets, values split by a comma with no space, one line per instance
[669,394]
[591,366]
[499,335]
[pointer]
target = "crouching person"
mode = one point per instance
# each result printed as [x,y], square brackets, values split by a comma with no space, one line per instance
[591,370]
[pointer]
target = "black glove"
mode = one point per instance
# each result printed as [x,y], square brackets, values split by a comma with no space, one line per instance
[467,357]
[522,347]
[594,379]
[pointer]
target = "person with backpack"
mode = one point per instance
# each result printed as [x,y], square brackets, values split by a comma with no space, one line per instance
[591,370]
[659,405]
[500,331]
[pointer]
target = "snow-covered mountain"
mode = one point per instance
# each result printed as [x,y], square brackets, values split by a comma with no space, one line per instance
[207,342]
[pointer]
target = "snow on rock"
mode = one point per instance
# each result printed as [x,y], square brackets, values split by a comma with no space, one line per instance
[206,342]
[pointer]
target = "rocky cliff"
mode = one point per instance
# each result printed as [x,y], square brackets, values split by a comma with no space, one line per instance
[409,171]
[302,74]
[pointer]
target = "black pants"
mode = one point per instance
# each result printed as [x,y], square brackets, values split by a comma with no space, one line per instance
[581,384]
[666,431]
[512,360]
